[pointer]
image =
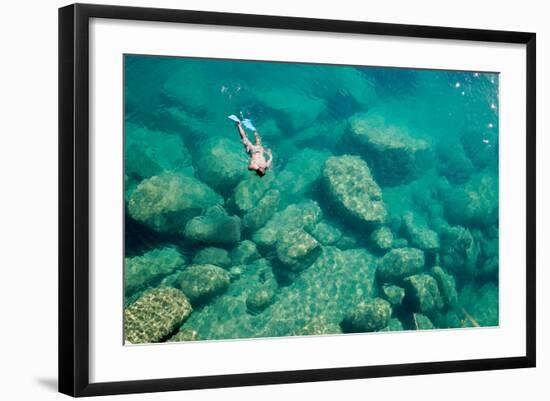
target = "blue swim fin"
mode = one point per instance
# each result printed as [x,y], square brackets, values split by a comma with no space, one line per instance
[234,118]
[248,124]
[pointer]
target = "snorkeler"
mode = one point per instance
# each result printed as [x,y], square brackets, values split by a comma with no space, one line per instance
[258,162]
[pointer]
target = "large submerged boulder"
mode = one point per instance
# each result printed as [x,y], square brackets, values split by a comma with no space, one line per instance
[266,207]
[212,256]
[222,163]
[301,172]
[301,215]
[155,315]
[166,202]
[150,152]
[215,226]
[352,188]
[459,251]
[400,263]
[418,232]
[142,271]
[422,291]
[368,316]
[397,156]
[474,203]
[201,283]
[296,250]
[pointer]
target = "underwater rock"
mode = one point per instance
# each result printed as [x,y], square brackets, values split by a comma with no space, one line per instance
[480,304]
[155,315]
[212,256]
[368,316]
[459,250]
[393,294]
[418,232]
[423,291]
[393,325]
[481,146]
[257,216]
[295,110]
[453,162]
[215,226]
[396,156]
[244,253]
[334,283]
[185,335]
[222,163]
[249,191]
[259,299]
[301,172]
[422,322]
[296,249]
[475,203]
[351,187]
[325,233]
[400,263]
[382,238]
[142,271]
[447,285]
[302,215]
[317,326]
[166,202]
[489,253]
[201,283]
[150,152]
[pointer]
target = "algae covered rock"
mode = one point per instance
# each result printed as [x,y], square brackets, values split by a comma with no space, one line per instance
[266,207]
[185,335]
[319,325]
[212,256]
[150,152]
[400,263]
[301,172]
[393,325]
[222,163]
[393,294]
[144,270]
[155,315]
[296,250]
[397,157]
[419,233]
[422,322]
[201,283]
[368,316]
[382,238]
[301,215]
[244,253]
[325,233]
[475,203]
[259,299]
[459,250]
[352,188]
[423,291]
[166,202]
[215,226]
[249,191]
[447,285]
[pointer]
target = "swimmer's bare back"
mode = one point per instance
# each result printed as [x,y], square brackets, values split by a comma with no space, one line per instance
[258,162]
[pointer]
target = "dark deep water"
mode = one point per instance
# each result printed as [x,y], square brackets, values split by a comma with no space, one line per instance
[380,212]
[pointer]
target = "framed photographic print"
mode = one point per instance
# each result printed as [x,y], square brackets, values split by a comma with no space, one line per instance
[250,199]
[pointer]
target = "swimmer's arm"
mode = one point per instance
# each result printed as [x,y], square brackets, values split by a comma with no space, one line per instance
[258,139]
[270,161]
[246,142]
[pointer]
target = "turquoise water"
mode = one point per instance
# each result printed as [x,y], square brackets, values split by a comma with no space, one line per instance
[380,212]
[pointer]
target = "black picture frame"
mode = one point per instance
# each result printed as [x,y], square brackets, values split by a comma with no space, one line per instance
[74,198]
